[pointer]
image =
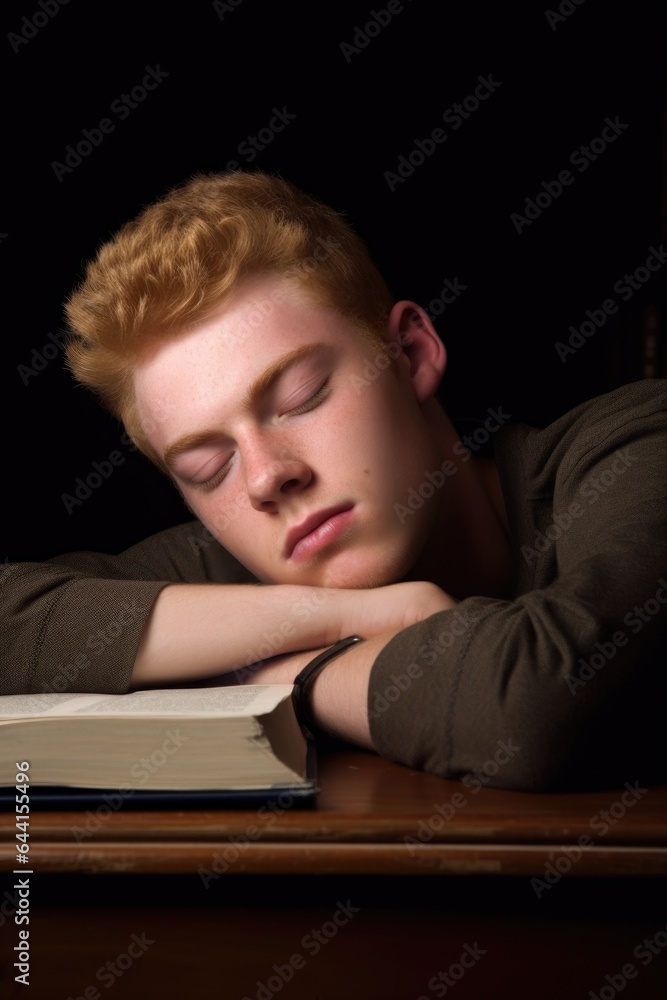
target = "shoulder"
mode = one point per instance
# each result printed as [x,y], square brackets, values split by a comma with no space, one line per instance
[187,553]
[625,428]
[586,494]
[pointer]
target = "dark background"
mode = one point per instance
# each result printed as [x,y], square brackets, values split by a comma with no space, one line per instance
[228,70]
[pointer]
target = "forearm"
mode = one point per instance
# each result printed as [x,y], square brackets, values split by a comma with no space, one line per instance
[201,631]
[338,695]
[198,631]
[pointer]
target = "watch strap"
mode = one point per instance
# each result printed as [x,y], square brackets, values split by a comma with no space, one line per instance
[303,681]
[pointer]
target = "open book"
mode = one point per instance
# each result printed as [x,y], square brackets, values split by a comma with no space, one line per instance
[177,739]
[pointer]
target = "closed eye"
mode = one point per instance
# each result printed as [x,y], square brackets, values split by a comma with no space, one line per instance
[215,480]
[314,401]
[309,404]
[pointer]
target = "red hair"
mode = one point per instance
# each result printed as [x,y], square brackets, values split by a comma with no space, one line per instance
[176,263]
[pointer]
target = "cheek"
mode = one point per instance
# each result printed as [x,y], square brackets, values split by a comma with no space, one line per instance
[233,523]
[394,438]
[226,520]
[223,517]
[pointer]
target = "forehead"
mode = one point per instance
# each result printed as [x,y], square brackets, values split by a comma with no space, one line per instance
[189,378]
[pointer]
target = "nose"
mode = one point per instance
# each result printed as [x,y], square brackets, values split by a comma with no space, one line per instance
[272,472]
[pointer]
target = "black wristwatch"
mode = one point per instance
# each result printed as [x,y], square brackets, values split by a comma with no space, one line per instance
[304,680]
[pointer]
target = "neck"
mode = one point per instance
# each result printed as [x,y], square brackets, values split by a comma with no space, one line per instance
[468,550]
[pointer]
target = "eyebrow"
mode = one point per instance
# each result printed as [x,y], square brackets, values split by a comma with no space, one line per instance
[253,395]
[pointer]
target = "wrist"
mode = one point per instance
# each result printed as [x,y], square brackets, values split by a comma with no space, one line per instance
[304,681]
[318,616]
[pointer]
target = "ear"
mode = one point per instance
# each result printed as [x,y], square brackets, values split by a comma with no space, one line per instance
[410,326]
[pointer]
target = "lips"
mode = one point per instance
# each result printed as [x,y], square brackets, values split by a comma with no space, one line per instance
[298,536]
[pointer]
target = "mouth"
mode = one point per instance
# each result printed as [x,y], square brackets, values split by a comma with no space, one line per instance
[317,531]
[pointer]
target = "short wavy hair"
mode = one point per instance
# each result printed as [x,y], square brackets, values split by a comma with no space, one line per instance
[176,263]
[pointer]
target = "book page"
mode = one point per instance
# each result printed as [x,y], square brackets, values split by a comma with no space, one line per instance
[16,706]
[231,701]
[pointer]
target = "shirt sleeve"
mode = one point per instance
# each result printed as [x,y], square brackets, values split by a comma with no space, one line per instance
[564,686]
[74,623]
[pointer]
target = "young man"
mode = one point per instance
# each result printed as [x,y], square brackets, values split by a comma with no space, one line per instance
[512,609]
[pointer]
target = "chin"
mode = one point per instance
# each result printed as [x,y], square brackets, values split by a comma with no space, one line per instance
[348,569]
[363,571]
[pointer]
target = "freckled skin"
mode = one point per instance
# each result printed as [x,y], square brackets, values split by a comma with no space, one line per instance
[285,467]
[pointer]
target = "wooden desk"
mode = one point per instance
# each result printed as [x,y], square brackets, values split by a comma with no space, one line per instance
[556,892]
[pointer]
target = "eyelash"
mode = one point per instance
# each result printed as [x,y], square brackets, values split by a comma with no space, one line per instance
[210,484]
[310,404]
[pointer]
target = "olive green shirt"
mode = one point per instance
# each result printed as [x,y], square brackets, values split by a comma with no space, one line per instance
[560,684]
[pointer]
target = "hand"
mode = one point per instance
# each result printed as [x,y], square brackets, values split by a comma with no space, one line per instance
[392,608]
